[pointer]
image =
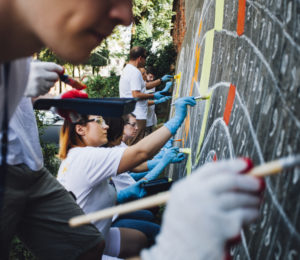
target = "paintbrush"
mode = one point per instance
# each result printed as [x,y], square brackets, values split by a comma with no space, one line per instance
[276,166]
[263,170]
[72,82]
[197,98]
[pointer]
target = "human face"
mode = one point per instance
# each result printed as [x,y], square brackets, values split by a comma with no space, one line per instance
[73,28]
[150,77]
[130,128]
[95,131]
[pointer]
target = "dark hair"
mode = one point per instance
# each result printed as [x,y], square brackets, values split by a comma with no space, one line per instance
[126,117]
[150,70]
[136,52]
[115,130]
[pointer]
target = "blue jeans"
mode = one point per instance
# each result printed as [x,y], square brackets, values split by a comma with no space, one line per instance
[140,220]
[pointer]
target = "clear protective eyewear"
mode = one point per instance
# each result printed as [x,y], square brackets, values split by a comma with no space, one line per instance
[98,120]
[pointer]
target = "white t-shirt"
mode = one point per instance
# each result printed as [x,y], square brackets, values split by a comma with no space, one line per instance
[23,138]
[86,172]
[131,79]
[122,181]
[151,116]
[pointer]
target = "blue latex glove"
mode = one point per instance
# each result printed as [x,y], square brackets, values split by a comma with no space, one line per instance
[180,113]
[166,159]
[162,100]
[152,163]
[160,154]
[138,176]
[134,191]
[167,87]
[158,95]
[167,145]
[179,158]
[166,78]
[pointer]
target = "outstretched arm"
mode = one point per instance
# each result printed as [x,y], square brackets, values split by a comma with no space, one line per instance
[151,144]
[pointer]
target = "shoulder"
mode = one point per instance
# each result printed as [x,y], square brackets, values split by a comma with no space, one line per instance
[95,153]
[132,70]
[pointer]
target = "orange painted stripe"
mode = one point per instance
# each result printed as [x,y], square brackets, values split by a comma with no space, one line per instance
[200,28]
[187,125]
[241,17]
[197,57]
[192,86]
[229,104]
[195,77]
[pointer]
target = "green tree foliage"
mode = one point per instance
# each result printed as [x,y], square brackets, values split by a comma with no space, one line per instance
[162,60]
[99,86]
[156,13]
[151,29]
[47,55]
[98,59]
[152,26]
[19,251]
[51,161]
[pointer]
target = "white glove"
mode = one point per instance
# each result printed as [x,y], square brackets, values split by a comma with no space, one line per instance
[42,77]
[205,211]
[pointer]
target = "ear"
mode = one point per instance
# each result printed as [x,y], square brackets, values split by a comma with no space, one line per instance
[80,130]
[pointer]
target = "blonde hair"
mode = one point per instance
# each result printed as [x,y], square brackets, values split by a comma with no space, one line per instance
[68,138]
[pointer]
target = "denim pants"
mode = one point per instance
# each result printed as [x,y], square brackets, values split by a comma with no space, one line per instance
[141,220]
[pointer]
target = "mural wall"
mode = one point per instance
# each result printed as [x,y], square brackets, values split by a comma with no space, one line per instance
[245,55]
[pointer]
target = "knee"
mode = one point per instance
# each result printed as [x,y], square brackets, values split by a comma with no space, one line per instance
[94,253]
[132,242]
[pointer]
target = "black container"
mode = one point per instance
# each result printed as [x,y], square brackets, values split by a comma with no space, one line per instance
[156,186]
[110,107]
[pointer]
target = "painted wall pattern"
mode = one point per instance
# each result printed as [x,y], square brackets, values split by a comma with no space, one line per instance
[246,55]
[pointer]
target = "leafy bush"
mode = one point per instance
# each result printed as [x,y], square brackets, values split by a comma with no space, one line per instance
[99,86]
[163,60]
[19,251]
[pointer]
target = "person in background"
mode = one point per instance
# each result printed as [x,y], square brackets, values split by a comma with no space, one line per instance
[130,128]
[132,85]
[142,220]
[151,116]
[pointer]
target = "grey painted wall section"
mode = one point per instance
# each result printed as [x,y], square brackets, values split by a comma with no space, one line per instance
[264,66]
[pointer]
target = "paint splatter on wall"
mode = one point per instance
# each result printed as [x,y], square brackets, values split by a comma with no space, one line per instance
[246,56]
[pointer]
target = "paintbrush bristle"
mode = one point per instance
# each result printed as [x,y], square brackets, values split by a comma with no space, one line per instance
[290,161]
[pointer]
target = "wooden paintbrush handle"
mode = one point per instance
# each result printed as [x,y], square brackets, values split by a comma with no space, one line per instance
[266,169]
[148,202]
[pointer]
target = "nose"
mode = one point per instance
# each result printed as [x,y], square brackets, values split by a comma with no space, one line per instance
[122,11]
[105,126]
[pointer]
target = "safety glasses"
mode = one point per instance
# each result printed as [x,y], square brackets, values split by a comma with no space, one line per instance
[98,120]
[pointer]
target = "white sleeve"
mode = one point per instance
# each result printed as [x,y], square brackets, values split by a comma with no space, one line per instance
[103,163]
[136,81]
